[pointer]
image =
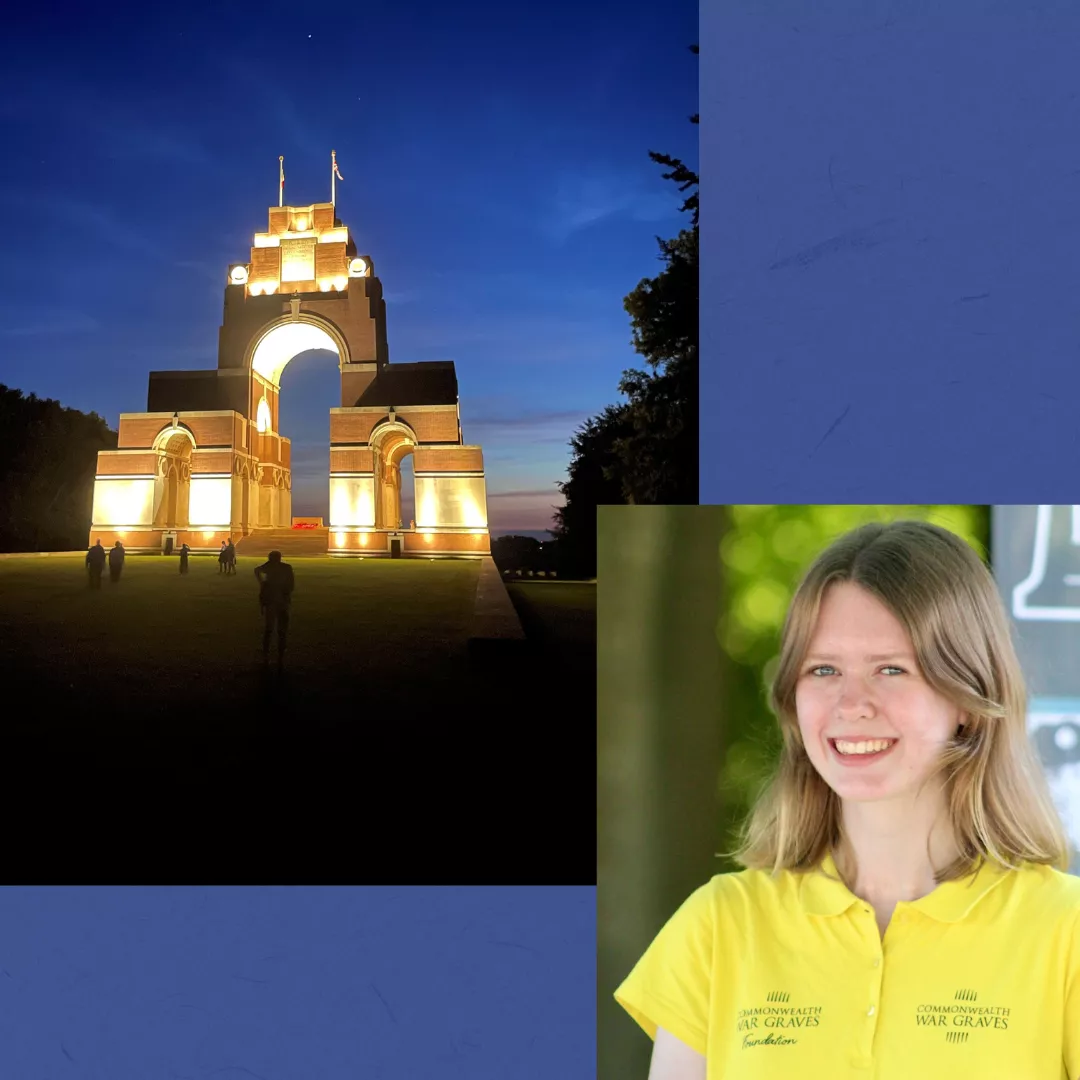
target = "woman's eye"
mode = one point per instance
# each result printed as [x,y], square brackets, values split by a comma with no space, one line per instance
[823,669]
[892,668]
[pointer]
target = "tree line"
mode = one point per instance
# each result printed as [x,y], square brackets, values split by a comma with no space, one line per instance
[48,460]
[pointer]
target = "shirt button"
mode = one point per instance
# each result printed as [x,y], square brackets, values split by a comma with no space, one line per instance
[877,963]
[870,1011]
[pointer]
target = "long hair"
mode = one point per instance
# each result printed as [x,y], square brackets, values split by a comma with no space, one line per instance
[997,796]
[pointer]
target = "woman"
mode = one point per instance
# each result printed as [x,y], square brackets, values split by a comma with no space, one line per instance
[905,910]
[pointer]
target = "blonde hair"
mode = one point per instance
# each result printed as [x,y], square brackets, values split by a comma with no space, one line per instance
[997,795]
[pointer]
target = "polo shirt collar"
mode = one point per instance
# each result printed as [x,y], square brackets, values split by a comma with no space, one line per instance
[950,902]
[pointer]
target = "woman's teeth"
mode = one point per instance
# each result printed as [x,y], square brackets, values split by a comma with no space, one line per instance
[863,747]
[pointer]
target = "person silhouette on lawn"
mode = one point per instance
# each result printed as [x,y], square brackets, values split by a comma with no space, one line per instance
[95,563]
[275,595]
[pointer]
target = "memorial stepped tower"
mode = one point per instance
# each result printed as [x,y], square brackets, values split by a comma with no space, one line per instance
[207,461]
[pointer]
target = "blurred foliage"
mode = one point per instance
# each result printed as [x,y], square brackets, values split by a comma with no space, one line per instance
[659,740]
[764,553]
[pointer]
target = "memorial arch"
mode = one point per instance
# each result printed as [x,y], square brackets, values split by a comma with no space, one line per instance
[207,461]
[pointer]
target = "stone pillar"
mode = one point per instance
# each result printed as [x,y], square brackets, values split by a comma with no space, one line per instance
[183,496]
[236,502]
[286,500]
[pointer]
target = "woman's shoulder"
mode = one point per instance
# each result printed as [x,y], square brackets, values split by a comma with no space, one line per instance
[1059,890]
[742,892]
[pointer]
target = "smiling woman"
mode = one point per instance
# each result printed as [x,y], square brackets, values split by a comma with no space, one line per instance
[903,887]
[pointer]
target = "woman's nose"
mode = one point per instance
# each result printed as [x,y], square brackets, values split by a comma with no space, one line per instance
[855,697]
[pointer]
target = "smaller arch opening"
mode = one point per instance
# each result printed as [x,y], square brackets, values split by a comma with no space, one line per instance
[172,487]
[395,491]
[174,440]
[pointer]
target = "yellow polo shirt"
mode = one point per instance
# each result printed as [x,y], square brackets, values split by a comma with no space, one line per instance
[789,977]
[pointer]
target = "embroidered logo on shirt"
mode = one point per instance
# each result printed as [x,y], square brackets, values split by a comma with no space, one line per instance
[775,1024]
[966,1016]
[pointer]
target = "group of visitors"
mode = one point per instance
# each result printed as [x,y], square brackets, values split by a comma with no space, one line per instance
[96,559]
[274,576]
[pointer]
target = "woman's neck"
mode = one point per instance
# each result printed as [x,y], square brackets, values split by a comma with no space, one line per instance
[885,859]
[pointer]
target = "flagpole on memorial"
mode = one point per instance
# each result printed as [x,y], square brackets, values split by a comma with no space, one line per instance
[281,180]
[334,177]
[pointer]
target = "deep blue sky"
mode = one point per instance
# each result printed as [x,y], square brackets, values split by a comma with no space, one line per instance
[297,983]
[495,164]
[891,271]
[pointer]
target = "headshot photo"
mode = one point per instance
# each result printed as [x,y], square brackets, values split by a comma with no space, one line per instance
[838,791]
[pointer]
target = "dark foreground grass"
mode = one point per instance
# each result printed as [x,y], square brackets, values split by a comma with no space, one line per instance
[147,705]
[561,617]
[182,655]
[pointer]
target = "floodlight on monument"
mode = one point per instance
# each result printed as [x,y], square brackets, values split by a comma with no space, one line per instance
[238,275]
[301,224]
[358,267]
[340,283]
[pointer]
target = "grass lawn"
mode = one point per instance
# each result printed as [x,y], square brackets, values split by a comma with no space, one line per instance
[183,653]
[138,724]
[561,617]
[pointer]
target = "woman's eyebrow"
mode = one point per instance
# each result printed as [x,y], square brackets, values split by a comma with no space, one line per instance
[872,658]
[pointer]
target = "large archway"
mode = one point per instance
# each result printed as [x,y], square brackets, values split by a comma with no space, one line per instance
[310,383]
[286,338]
[269,352]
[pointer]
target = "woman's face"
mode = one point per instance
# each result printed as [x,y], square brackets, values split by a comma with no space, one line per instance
[860,683]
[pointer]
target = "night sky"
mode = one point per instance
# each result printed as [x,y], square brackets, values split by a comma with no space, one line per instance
[298,983]
[495,165]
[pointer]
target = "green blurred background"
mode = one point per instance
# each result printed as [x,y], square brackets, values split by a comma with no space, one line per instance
[691,600]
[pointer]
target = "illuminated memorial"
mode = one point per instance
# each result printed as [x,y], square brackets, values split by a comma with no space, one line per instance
[207,461]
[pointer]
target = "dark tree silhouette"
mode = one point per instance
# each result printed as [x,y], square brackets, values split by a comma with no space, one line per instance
[517,553]
[659,460]
[593,480]
[48,460]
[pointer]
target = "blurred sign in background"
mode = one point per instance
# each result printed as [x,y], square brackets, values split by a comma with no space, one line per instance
[691,601]
[1036,560]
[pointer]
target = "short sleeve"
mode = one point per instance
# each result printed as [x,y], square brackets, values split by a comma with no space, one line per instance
[670,986]
[1071,1048]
